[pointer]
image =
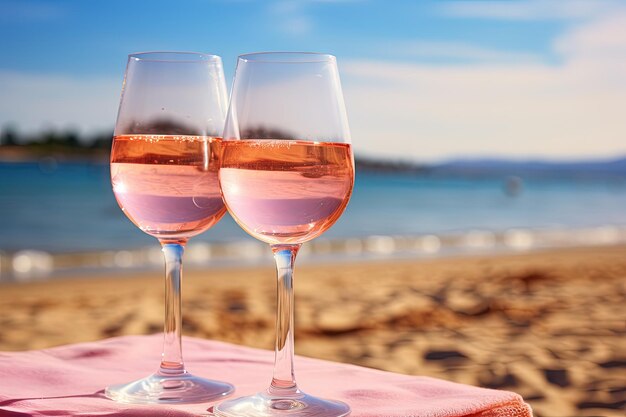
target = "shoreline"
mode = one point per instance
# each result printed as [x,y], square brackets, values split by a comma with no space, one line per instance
[17,155]
[548,325]
[32,264]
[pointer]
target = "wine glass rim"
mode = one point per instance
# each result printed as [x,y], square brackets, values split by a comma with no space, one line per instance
[287,57]
[174,56]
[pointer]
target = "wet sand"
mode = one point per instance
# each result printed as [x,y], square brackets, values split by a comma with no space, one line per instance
[549,325]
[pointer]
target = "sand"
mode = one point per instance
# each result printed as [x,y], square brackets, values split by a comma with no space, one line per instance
[548,325]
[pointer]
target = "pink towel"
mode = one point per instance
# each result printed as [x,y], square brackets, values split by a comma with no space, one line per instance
[69,381]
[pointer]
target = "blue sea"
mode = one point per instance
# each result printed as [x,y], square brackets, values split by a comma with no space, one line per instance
[51,210]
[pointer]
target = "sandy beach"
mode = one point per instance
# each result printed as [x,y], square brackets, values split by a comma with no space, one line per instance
[548,325]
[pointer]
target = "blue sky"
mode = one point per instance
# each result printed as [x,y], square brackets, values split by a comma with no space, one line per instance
[423,80]
[94,37]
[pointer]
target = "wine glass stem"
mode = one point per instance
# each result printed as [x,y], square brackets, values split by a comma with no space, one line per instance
[284,381]
[172,358]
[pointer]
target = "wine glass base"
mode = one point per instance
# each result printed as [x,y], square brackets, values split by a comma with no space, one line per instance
[169,389]
[265,405]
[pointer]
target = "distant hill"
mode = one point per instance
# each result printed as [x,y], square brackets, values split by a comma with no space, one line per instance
[382,165]
[610,167]
[489,167]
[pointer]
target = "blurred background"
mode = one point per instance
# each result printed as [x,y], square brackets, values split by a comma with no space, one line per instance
[483,128]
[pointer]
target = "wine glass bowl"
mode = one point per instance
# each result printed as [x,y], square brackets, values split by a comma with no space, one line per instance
[167,184]
[164,162]
[286,172]
[283,191]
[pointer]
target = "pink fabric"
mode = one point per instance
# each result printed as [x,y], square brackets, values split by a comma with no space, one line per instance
[68,381]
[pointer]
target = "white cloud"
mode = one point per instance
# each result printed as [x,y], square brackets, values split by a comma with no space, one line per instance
[574,109]
[50,101]
[527,9]
[292,17]
[456,51]
[602,39]
[289,17]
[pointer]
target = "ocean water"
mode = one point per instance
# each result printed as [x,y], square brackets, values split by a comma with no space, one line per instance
[63,208]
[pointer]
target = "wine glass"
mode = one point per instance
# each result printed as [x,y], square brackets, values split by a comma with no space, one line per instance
[164,177]
[286,174]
